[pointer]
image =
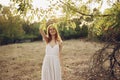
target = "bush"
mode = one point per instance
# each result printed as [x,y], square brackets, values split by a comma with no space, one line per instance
[69,32]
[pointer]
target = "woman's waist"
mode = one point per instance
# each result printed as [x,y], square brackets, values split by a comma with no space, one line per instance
[51,55]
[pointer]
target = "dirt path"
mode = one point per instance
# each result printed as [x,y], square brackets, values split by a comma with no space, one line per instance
[24,61]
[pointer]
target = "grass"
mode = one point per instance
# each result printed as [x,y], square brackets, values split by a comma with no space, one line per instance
[24,61]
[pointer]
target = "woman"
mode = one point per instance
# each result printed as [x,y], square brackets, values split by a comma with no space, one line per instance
[51,69]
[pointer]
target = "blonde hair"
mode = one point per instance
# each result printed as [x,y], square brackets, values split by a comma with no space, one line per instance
[57,36]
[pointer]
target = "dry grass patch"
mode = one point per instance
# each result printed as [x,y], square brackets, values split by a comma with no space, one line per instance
[24,61]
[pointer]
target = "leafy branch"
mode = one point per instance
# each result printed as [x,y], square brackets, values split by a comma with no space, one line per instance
[84,14]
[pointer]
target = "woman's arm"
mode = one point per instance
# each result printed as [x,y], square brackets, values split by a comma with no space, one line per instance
[60,55]
[60,48]
[43,34]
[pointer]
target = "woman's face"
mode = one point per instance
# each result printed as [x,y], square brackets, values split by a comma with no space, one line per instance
[52,31]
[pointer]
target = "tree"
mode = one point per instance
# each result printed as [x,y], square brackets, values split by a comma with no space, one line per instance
[10,26]
[107,26]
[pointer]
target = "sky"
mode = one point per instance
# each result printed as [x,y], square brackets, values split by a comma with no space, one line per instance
[40,3]
[4,2]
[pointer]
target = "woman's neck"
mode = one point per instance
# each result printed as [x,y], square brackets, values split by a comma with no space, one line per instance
[53,37]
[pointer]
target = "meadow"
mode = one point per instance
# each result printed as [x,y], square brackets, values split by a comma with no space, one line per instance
[23,61]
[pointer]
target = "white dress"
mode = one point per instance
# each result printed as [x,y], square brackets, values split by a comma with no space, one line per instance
[51,69]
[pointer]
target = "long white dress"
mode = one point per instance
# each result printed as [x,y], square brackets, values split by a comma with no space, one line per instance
[51,69]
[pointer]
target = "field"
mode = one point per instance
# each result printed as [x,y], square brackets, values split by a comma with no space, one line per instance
[23,61]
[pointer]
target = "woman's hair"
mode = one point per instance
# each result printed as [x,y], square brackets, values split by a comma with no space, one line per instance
[57,36]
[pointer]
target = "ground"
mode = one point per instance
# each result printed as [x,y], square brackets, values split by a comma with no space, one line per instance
[23,61]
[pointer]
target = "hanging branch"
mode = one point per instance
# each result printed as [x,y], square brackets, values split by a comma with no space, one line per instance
[76,10]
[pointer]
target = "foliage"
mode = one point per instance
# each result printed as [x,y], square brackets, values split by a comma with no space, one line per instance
[103,25]
[31,31]
[10,26]
[23,5]
[73,30]
[105,62]
[81,10]
[14,29]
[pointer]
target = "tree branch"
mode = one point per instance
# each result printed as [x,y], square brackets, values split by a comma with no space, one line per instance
[76,10]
